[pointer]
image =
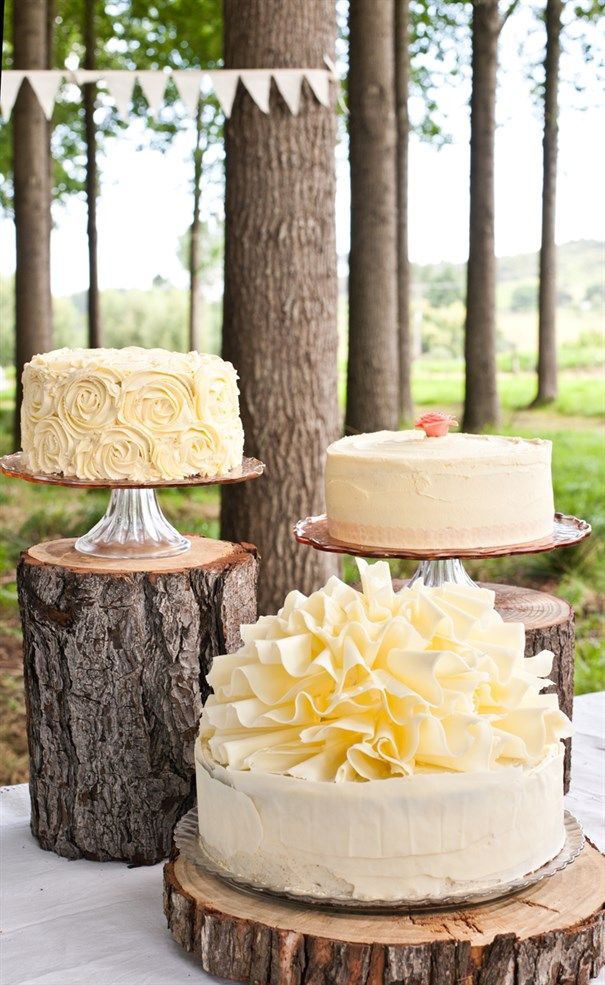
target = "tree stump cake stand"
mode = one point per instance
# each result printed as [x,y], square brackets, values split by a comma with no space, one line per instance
[551,934]
[119,629]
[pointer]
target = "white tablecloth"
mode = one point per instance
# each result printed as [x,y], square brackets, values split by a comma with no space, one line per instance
[86,923]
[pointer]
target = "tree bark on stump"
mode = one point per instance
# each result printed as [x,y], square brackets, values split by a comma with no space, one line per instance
[115,658]
[550,934]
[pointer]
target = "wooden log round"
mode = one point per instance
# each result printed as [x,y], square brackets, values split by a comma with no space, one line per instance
[549,625]
[553,934]
[115,657]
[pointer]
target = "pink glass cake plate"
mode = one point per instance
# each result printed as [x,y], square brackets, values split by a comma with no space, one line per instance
[133,526]
[438,566]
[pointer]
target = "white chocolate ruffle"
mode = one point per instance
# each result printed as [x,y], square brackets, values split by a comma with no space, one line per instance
[349,685]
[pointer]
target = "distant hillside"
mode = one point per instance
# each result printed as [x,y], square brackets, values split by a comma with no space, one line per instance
[580,278]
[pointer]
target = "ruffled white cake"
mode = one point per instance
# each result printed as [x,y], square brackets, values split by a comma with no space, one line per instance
[137,414]
[399,489]
[381,745]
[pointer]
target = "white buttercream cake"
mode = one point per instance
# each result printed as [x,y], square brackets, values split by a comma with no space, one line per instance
[381,745]
[134,414]
[399,489]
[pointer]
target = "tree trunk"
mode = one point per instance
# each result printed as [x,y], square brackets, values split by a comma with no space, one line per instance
[32,177]
[547,351]
[402,89]
[115,658]
[90,132]
[195,259]
[481,395]
[280,302]
[373,375]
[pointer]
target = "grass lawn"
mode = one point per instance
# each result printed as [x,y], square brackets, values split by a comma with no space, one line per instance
[574,424]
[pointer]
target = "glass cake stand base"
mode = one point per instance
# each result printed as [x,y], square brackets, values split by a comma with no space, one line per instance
[439,571]
[133,527]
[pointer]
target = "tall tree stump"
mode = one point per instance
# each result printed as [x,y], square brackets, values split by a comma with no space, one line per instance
[115,658]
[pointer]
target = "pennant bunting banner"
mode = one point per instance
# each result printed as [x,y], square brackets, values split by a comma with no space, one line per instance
[153,85]
[45,84]
[190,83]
[258,85]
[289,84]
[9,87]
[224,84]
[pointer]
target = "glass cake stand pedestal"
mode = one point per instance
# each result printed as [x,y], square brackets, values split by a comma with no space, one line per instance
[437,567]
[133,526]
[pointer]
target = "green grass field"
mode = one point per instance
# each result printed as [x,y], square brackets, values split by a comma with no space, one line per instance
[574,424]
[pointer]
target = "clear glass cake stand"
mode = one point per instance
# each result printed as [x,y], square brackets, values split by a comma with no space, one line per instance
[437,567]
[133,526]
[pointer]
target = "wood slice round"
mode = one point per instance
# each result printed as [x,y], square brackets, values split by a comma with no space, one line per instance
[115,658]
[552,934]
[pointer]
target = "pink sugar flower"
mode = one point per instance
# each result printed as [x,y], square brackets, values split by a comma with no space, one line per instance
[435,424]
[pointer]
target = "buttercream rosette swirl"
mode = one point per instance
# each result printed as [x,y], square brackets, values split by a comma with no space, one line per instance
[142,415]
[364,685]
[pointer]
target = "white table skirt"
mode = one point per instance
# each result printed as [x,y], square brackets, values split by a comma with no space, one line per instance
[90,923]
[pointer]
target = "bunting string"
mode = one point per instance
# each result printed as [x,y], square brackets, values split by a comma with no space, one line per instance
[190,83]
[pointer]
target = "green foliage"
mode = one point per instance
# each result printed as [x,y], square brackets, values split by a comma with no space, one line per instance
[524,297]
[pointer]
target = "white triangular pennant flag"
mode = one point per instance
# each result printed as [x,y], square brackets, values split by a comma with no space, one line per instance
[319,80]
[258,85]
[188,84]
[224,83]
[153,85]
[120,86]
[289,81]
[45,83]
[9,90]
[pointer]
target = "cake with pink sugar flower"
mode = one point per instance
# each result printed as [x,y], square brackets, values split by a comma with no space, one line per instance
[431,489]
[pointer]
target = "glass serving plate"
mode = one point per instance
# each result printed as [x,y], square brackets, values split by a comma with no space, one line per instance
[186,839]
[438,566]
[133,526]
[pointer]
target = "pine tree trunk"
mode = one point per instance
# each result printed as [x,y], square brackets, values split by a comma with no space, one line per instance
[280,300]
[481,395]
[90,134]
[195,286]
[547,350]
[402,88]
[32,178]
[373,374]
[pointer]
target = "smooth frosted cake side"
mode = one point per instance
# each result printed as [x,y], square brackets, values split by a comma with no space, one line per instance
[399,489]
[381,745]
[136,414]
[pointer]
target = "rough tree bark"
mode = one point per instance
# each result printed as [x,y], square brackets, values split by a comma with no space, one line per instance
[115,657]
[195,259]
[402,89]
[547,350]
[481,394]
[32,178]
[280,299]
[90,135]
[373,375]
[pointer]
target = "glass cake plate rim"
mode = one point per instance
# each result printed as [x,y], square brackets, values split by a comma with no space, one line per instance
[568,530]
[188,843]
[12,466]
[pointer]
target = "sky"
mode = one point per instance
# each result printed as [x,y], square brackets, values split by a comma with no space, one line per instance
[145,201]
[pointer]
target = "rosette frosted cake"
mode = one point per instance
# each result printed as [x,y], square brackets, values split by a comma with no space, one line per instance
[137,414]
[381,745]
[399,489]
